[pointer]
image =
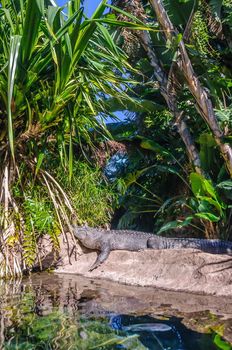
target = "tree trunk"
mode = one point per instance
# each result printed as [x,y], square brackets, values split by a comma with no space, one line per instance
[204,103]
[169,95]
[167,87]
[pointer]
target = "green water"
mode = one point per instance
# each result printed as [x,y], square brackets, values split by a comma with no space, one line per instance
[67,312]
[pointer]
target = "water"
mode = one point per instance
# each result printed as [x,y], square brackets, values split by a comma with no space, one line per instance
[49,311]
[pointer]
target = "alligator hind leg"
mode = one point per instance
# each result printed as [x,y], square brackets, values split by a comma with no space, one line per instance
[103,255]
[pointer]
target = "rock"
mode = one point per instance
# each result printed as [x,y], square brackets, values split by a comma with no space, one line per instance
[186,270]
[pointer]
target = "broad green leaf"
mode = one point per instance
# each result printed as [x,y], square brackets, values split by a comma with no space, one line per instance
[221,344]
[175,224]
[227,185]
[207,144]
[155,147]
[218,205]
[207,139]
[197,181]
[208,216]
[210,189]
[204,205]
[204,190]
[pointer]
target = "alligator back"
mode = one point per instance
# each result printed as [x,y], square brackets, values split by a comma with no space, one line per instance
[127,240]
[213,246]
[113,239]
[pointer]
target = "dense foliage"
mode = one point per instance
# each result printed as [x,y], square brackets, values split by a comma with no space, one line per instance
[183,179]
[57,69]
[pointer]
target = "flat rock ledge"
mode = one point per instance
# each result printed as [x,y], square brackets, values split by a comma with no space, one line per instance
[185,270]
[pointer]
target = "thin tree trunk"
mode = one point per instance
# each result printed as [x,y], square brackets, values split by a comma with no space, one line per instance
[204,103]
[167,88]
[169,95]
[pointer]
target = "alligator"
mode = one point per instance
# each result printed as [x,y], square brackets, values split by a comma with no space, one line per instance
[107,240]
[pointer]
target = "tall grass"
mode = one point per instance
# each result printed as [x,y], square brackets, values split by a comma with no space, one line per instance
[93,198]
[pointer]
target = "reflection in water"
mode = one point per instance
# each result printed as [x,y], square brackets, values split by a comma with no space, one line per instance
[51,312]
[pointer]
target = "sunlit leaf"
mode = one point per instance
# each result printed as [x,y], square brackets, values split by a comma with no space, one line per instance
[175,224]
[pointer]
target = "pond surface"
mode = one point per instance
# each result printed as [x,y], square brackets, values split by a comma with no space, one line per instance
[49,311]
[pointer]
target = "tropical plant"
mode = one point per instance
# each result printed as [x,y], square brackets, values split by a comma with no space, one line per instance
[57,69]
[93,197]
[183,68]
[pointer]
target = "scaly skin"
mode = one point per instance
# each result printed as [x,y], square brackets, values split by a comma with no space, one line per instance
[105,241]
[213,246]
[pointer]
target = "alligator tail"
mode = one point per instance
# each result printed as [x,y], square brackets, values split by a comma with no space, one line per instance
[213,246]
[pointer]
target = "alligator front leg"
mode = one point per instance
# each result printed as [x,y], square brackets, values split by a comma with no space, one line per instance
[103,255]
